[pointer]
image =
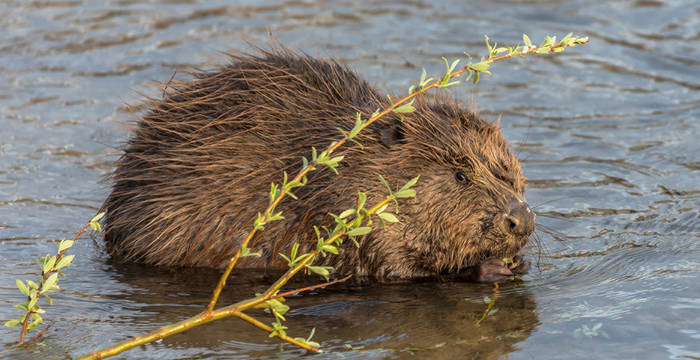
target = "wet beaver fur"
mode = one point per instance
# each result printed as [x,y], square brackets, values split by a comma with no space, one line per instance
[199,164]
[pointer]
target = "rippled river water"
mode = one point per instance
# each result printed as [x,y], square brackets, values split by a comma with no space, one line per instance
[607,132]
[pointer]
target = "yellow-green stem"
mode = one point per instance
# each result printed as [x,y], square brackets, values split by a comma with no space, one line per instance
[237,309]
[335,145]
[490,306]
[302,264]
[231,310]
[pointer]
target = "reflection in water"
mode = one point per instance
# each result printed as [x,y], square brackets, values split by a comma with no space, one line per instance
[607,134]
[436,317]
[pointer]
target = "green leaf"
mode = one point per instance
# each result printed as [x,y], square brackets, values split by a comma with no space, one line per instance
[320,270]
[450,84]
[406,108]
[359,231]
[346,213]
[423,81]
[481,67]
[48,298]
[32,303]
[98,217]
[388,217]
[32,285]
[50,283]
[410,183]
[381,178]
[318,233]
[275,217]
[308,341]
[358,126]
[295,250]
[95,226]
[332,163]
[289,261]
[22,288]
[447,66]
[453,65]
[259,222]
[278,306]
[488,45]
[330,248]
[361,199]
[274,191]
[313,331]
[279,329]
[526,40]
[567,37]
[409,193]
[381,209]
[94,223]
[37,320]
[245,251]
[64,245]
[12,323]
[48,264]
[64,261]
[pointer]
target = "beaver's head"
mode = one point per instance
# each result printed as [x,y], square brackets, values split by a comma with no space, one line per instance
[470,203]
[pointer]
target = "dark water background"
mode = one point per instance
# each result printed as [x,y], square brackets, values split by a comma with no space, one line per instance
[608,133]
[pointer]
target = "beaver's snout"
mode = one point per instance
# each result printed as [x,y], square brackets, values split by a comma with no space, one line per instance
[520,220]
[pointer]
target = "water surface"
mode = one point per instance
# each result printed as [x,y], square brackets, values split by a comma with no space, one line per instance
[608,135]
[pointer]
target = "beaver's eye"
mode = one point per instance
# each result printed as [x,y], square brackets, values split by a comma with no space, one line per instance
[460,177]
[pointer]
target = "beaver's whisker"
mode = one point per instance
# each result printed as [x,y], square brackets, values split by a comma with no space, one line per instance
[548,202]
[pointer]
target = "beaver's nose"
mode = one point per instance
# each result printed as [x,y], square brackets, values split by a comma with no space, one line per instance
[520,219]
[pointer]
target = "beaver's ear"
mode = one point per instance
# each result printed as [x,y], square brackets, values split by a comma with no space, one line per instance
[392,135]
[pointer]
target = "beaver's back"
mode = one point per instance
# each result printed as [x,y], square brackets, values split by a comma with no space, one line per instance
[199,165]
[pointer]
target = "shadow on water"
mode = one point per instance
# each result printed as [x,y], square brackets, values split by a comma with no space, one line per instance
[378,320]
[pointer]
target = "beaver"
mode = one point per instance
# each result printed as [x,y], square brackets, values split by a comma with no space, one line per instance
[197,170]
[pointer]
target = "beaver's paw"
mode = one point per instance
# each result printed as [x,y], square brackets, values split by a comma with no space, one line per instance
[519,266]
[492,270]
[495,270]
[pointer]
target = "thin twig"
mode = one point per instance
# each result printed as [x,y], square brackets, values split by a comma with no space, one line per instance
[491,304]
[237,309]
[336,144]
[286,338]
[39,291]
[308,288]
[38,335]
[231,310]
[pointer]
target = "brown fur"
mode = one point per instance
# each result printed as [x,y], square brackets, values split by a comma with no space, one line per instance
[198,169]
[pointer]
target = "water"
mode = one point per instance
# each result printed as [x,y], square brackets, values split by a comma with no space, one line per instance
[607,133]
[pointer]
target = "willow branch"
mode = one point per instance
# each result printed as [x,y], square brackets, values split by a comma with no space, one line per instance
[44,276]
[235,309]
[308,288]
[336,144]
